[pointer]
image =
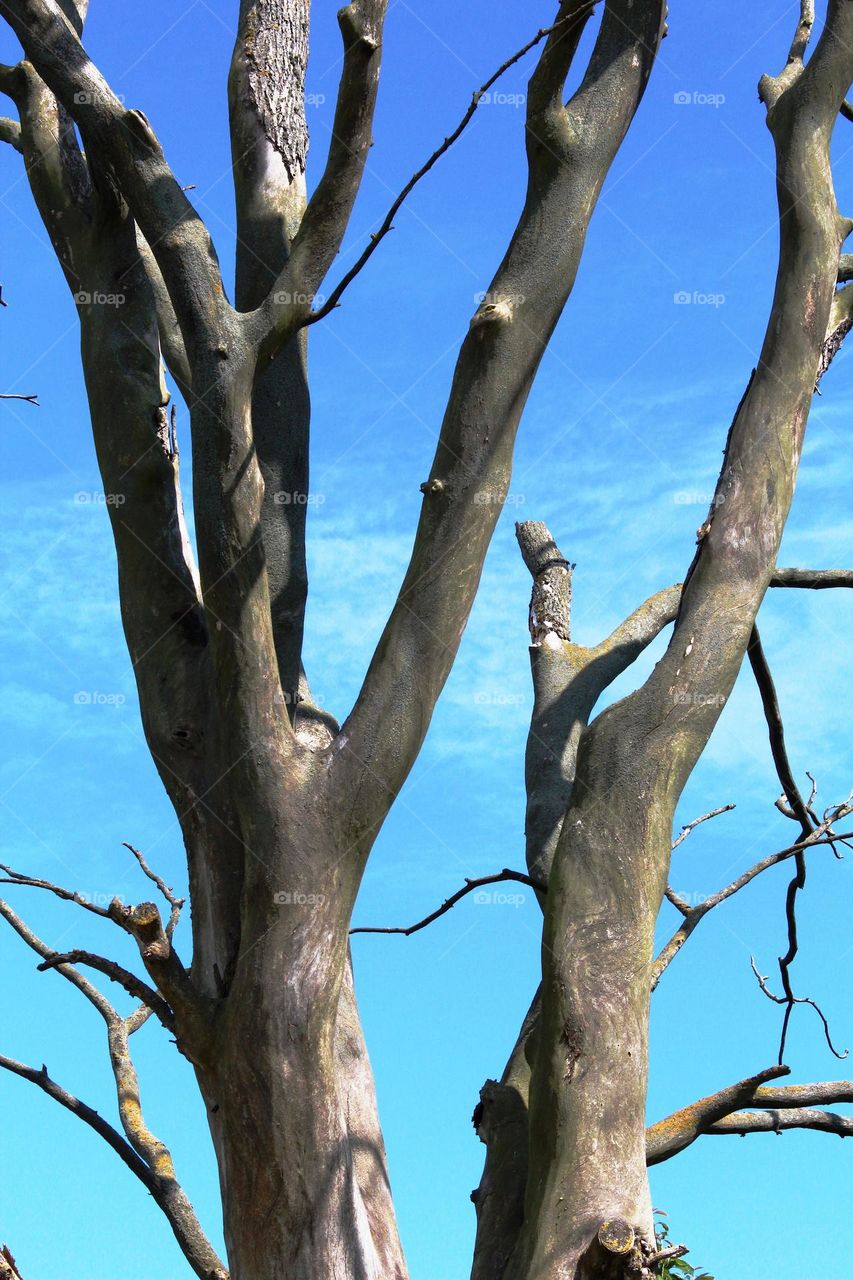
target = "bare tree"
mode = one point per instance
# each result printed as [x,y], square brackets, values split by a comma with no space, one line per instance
[276,802]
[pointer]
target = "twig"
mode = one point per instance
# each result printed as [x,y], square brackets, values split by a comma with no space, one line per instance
[168,893]
[87,1114]
[28,399]
[789,1001]
[470,887]
[387,223]
[693,915]
[691,826]
[799,811]
[666,1255]
[67,895]
[116,973]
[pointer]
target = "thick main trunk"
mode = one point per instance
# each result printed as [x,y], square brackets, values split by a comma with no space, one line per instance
[287,1080]
[293,1115]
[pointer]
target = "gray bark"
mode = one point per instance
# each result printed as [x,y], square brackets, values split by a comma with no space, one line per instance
[279,808]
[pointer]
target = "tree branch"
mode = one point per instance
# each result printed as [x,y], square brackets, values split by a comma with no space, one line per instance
[670,1136]
[470,887]
[269,140]
[789,1003]
[133,160]
[67,895]
[744,1122]
[176,904]
[161,961]
[158,1178]
[797,809]
[495,370]
[813,579]
[87,1114]
[151,1159]
[10,131]
[116,973]
[325,220]
[697,822]
[693,915]
[783,1107]
[387,224]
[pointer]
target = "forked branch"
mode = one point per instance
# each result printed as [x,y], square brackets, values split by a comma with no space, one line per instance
[142,1152]
[387,224]
[782,1107]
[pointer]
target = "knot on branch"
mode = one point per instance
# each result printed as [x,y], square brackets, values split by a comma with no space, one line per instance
[355,29]
[616,1236]
[500,1106]
[499,311]
[136,123]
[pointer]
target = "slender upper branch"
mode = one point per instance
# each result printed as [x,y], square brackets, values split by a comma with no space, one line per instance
[326,218]
[387,223]
[569,152]
[132,159]
[651,740]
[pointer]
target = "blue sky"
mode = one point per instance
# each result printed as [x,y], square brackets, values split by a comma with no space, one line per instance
[618,451]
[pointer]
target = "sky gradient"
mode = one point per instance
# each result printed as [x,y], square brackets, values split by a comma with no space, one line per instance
[619,451]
